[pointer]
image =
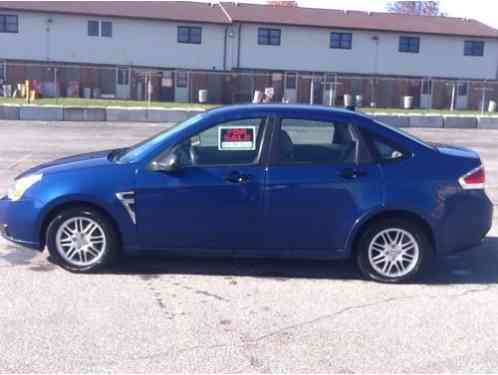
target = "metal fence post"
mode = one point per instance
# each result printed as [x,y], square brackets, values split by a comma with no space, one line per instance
[56,93]
[453,94]
[312,91]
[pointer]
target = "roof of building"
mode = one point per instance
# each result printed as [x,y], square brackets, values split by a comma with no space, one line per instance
[185,11]
[157,10]
[291,15]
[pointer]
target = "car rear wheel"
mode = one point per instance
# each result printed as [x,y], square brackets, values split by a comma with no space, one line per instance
[82,240]
[393,251]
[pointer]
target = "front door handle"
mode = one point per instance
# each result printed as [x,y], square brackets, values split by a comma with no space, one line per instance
[237,178]
[352,173]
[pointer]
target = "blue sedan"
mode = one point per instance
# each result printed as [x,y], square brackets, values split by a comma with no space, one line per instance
[258,181]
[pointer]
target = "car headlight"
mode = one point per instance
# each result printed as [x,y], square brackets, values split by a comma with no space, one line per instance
[22,185]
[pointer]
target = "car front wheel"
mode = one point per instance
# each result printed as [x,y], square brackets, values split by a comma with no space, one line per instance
[393,251]
[82,240]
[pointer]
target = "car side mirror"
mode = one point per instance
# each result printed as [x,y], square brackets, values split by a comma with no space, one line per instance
[169,164]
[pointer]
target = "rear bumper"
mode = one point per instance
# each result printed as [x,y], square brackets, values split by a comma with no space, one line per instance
[18,222]
[468,221]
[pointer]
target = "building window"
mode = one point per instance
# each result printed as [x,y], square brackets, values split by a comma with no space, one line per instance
[93,28]
[189,34]
[341,40]
[409,44]
[474,48]
[123,76]
[106,29]
[269,37]
[291,81]
[181,79]
[9,23]
[100,28]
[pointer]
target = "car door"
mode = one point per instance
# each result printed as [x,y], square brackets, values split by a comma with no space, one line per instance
[215,199]
[321,179]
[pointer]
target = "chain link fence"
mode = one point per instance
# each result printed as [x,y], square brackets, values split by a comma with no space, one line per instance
[146,86]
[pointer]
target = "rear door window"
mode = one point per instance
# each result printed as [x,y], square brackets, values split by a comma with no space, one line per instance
[386,151]
[303,141]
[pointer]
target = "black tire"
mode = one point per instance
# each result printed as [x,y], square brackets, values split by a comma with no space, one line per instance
[418,233]
[112,242]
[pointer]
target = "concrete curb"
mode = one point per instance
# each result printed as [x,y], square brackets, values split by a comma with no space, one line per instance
[454,122]
[143,114]
[170,115]
[397,121]
[487,122]
[426,122]
[148,114]
[9,112]
[85,114]
[41,113]
[122,114]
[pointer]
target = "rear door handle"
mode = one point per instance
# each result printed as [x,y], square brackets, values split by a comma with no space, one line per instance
[352,173]
[237,178]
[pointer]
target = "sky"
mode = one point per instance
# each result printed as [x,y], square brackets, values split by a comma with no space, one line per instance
[483,10]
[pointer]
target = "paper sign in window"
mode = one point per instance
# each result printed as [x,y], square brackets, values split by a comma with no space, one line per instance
[242,138]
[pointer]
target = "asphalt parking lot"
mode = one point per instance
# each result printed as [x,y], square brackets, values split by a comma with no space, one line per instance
[185,315]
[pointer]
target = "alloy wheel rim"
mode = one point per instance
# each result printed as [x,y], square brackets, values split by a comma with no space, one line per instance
[393,253]
[81,241]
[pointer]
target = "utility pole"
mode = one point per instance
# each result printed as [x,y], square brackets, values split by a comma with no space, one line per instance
[56,94]
[149,87]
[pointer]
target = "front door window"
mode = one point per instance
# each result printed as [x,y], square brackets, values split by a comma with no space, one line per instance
[232,143]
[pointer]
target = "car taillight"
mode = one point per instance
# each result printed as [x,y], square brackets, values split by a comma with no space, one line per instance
[475,179]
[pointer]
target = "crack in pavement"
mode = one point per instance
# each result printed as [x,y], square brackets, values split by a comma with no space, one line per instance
[329,316]
[243,345]
[474,291]
[363,306]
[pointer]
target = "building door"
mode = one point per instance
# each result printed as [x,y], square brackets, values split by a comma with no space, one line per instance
[123,83]
[167,89]
[182,84]
[462,98]
[426,94]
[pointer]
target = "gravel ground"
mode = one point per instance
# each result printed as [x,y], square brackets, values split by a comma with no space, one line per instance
[186,315]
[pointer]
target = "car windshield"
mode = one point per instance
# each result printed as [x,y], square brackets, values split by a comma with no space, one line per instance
[134,153]
[406,134]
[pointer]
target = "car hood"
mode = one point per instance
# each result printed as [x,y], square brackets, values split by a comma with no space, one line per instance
[88,160]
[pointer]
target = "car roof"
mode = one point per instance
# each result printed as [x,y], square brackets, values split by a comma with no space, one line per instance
[283,108]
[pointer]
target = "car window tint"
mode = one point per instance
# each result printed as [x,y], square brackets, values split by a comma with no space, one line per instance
[231,143]
[317,142]
[386,151]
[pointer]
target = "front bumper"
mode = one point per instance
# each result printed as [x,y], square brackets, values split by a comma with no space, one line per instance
[18,222]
